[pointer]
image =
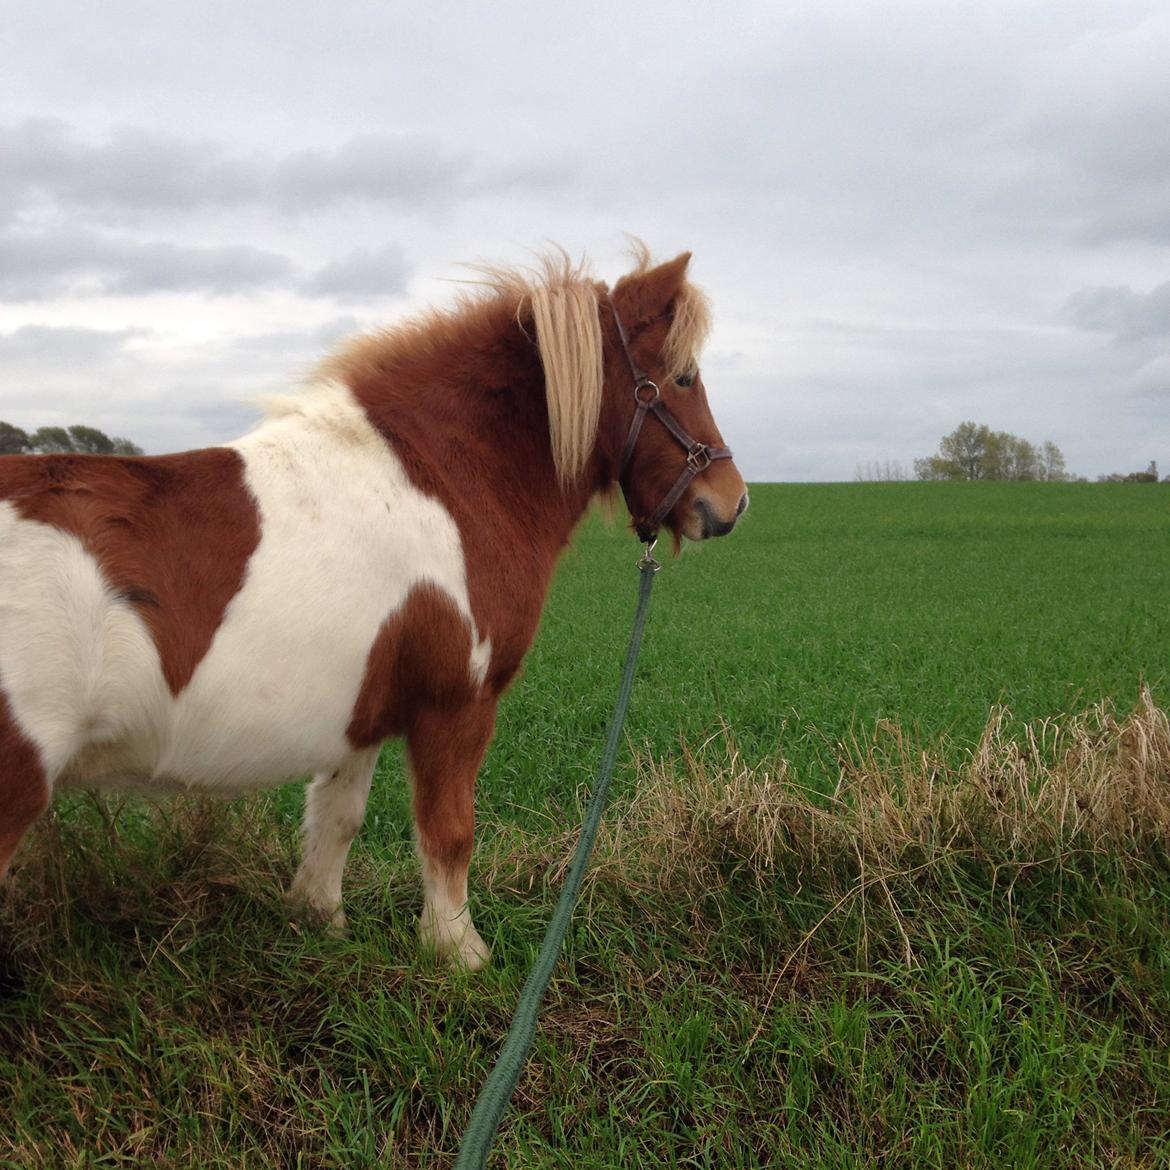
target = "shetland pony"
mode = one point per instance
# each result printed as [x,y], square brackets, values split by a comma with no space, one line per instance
[370,561]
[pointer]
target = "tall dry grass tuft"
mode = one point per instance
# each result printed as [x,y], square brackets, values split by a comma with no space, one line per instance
[1089,784]
[1087,792]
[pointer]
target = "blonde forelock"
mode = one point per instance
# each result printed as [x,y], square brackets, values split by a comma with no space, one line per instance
[688,331]
[690,315]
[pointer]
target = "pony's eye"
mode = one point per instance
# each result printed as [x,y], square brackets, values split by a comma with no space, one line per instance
[685,380]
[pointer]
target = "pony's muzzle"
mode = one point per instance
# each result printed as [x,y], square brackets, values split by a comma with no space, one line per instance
[711,523]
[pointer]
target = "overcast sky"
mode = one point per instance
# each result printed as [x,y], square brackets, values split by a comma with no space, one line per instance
[907,215]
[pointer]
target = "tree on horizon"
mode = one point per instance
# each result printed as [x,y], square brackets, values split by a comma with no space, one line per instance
[77,439]
[974,451]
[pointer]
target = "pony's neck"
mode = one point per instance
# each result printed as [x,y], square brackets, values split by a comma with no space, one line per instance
[466,412]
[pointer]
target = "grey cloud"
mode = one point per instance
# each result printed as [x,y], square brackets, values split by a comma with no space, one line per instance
[40,265]
[31,344]
[1152,381]
[941,131]
[545,176]
[1128,315]
[1092,157]
[219,418]
[164,267]
[331,332]
[316,339]
[1064,190]
[133,170]
[65,374]
[37,266]
[376,167]
[364,272]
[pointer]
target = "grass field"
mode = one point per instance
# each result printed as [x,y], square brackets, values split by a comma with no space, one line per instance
[886,881]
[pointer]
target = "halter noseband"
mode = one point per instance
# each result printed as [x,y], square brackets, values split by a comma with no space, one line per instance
[648,399]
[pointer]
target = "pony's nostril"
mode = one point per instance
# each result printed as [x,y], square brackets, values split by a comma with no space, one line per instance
[743,505]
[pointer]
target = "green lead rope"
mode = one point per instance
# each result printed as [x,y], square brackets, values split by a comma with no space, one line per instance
[501,1083]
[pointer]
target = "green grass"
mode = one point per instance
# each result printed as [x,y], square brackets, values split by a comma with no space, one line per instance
[859,928]
[835,605]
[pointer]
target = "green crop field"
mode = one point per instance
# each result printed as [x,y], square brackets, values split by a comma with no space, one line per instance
[835,605]
[885,882]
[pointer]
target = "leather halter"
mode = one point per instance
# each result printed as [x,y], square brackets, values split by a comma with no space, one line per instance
[648,400]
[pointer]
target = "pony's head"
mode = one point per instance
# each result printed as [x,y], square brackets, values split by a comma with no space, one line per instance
[626,399]
[674,467]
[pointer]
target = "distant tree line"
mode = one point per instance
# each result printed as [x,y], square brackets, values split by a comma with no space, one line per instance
[74,440]
[975,451]
[880,471]
[1150,475]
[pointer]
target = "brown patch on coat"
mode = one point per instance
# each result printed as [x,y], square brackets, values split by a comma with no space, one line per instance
[420,658]
[446,748]
[466,415]
[172,533]
[24,789]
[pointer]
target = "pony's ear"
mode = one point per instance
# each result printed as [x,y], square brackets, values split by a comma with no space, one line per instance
[650,293]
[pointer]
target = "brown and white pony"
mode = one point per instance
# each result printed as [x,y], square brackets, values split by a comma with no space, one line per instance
[370,561]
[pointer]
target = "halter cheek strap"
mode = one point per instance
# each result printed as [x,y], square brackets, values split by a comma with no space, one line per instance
[648,400]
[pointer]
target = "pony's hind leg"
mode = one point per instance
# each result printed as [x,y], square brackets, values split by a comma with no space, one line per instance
[335,806]
[24,787]
[446,748]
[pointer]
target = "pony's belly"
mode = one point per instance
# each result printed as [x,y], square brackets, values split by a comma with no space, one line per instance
[237,731]
[117,776]
[227,752]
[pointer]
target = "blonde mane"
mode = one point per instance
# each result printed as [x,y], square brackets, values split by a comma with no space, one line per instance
[568,337]
[564,300]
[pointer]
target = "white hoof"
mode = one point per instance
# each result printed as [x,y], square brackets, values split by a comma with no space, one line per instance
[454,940]
[312,912]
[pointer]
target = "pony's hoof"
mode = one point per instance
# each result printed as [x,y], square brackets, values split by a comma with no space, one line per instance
[329,921]
[335,926]
[472,954]
[457,944]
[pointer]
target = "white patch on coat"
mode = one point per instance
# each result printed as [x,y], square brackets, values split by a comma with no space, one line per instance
[345,537]
[481,659]
[78,665]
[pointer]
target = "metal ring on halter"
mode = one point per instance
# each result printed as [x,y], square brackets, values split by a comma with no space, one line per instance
[646,560]
[642,384]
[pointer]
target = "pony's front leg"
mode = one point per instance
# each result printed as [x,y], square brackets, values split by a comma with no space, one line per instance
[446,747]
[335,805]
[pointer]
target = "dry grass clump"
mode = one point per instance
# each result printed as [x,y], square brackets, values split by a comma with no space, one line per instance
[1092,788]
[1085,784]
[123,860]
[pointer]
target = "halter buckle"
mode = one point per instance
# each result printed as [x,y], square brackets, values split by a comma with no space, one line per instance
[698,457]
